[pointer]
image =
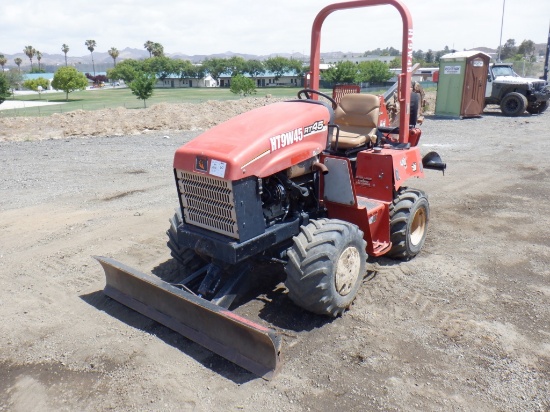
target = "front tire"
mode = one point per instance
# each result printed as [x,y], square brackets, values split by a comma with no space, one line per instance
[186,257]
[409,215]
[513,104]
[537,108]
[326,266]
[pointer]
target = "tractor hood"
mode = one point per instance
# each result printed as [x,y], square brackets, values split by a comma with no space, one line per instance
[258,143]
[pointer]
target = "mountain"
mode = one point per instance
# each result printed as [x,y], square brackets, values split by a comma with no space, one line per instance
[103,61]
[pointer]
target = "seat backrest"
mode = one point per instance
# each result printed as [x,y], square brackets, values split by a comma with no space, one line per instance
[340,90]
[358,113]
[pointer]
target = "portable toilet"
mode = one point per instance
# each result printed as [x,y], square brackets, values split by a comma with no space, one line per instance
[462,82]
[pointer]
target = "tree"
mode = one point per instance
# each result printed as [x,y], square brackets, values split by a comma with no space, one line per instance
[277,65]
[508,50]
[429,56]
[158,50]
[395,63]
[418,54]
[215,67]
[527,48]
[114,54]
[15,79]
[65,49]
[296,66]
[4,87]
[30,52]
[143,85]
[438,55]
[236,65]
[36,85]
[91,44]
[69,79]
[342,72]
[373,71]
[3,61]
[185,69]
[242,85]
[148,45]
[161,67]
[126,70]
[39,57]
[254,68]
[18,62]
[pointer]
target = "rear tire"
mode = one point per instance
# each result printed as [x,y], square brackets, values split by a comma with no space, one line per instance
[326,266]
[513,104]
[537,108]
[409,215]
[415,109]
[184,256]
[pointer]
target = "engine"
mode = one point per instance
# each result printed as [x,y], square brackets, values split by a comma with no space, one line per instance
[289,192]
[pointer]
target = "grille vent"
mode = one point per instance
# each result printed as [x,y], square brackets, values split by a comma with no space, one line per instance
[208,203]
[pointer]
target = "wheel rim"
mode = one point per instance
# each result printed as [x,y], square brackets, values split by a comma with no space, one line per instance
[512,105]
[418,226]
[347,270]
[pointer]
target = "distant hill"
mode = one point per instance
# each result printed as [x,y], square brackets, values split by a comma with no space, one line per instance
[103,61]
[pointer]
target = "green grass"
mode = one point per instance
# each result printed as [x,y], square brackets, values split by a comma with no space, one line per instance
[123,97]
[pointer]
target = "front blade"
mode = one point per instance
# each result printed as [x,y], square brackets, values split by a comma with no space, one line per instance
[243,342]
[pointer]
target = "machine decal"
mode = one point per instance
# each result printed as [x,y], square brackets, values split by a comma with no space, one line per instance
[318,126]
[413,167]
[201,164]
[296,135]
[403,162]
[217,168]
[286,139]
[364,181]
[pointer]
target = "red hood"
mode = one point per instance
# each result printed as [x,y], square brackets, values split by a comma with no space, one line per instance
[258,143]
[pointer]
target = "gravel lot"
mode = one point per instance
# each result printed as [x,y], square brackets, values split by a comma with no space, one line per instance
[464,326]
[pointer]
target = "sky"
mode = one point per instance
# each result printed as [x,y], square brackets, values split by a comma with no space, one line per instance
[262,27]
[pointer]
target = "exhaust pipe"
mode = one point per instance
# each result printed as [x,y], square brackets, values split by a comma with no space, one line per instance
[433,161]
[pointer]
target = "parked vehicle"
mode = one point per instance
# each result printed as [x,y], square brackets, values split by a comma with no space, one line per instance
[515,94]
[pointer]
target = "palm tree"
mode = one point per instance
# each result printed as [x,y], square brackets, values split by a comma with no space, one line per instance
[114,54]
[38,57]
[90,44]
[30,52]
[18,61]
[65,49]
[158,50]
[3,61]
[149,46]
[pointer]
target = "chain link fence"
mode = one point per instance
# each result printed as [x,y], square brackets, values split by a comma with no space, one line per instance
[529,69]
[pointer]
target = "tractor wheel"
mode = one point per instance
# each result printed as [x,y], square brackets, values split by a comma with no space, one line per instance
[537,108]
[409,215]
[326,266]
[184,256]
[513,104]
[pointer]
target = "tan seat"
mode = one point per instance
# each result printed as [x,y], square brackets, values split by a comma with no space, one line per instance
[357,117]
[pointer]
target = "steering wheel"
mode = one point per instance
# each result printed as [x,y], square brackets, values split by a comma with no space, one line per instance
[306,93]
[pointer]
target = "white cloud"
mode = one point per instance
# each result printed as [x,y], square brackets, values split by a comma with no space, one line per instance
[260,27]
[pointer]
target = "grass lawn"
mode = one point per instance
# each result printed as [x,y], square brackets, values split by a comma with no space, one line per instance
[107,98]
[122,97]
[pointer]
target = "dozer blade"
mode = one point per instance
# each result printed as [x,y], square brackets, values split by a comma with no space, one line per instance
[243,342]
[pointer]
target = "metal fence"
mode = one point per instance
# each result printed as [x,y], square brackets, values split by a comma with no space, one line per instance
[529,69]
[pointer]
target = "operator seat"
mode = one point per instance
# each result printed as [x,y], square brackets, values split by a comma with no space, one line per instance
[357,117]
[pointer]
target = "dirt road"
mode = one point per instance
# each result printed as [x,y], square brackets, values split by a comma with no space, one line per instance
[464,326]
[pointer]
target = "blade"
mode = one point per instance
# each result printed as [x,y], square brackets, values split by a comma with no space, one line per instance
[243,342]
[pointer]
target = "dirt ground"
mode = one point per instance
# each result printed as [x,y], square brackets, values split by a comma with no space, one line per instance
[464,326]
